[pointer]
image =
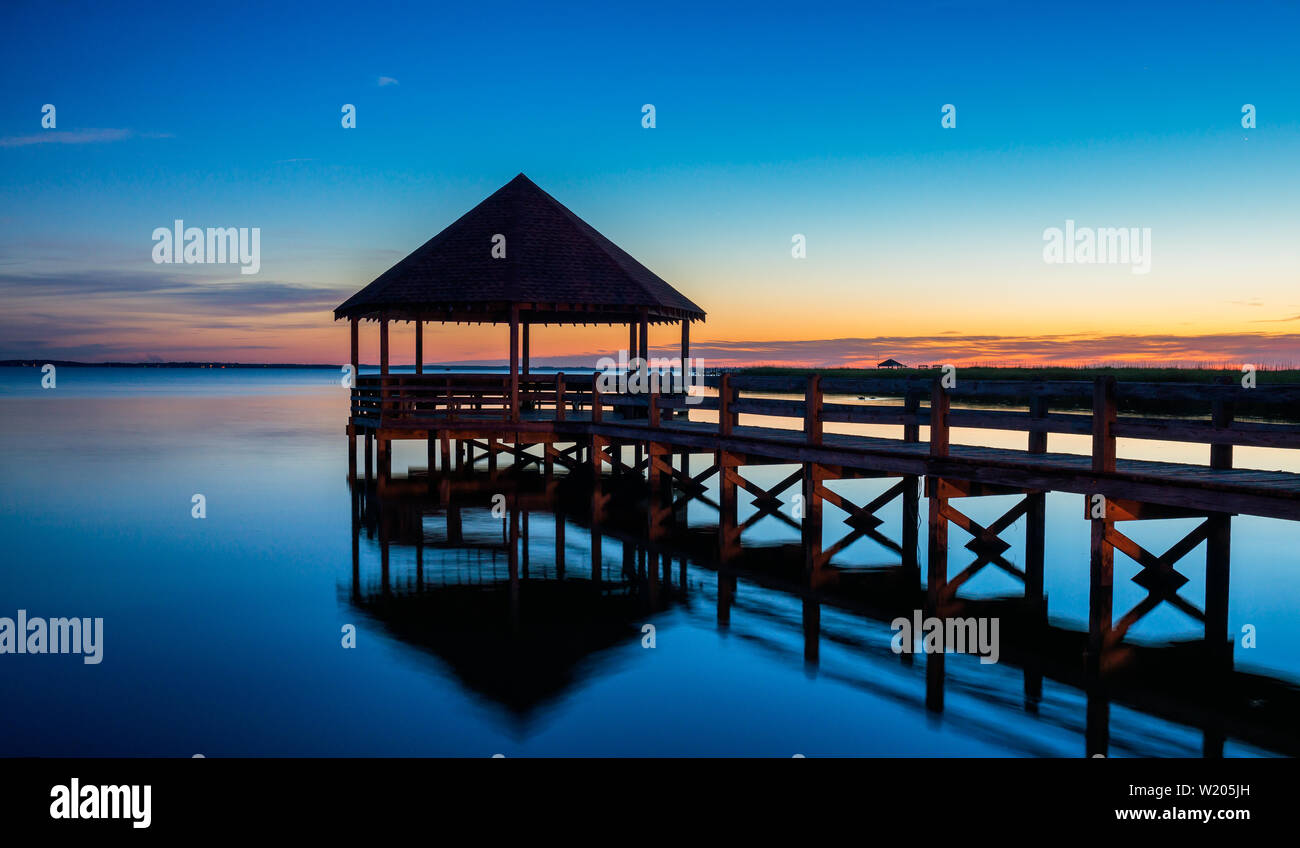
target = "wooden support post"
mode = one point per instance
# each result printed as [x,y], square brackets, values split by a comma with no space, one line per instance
[352,455]
[936,581]
[432,451]
[911,413]
[912,494]
[383,369]
[1218,548]
[812,415]
[596,456]
[911,526]
[523,366]
[597,408]
[559,396]
[369,438]
[492,455]
[356,349]
[1101,579]
[514,362]
[725,399]
[811,525]
[728,532]
[1101,572]
[653,405]
[419,346]
[1036,513]
[1037,412]
[445,437]
[1223,414]
[1035,544]
[1105,410]
[686,354]
[938,420]
[645,340]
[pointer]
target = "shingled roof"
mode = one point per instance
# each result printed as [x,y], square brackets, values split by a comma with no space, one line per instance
[557,268]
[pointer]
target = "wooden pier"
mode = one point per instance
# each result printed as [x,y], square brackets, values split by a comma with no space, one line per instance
[571,425]
[523,260]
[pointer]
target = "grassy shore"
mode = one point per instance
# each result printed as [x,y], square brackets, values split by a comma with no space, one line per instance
[982,372]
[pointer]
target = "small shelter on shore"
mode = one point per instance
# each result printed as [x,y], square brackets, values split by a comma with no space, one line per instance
[519,258]
[890,363]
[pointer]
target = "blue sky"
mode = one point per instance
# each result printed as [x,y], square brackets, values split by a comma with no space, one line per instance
[822,120]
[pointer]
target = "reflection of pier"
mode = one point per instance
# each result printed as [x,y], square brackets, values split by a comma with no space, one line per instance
[606,603]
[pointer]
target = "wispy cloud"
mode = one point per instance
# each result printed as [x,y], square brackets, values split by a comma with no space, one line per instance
[383,81]
[86,136]
[170,292]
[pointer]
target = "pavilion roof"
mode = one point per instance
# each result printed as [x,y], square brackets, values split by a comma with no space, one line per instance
[557,269]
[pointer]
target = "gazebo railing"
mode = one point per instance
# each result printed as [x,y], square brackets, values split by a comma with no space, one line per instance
[420,400]
[411,400]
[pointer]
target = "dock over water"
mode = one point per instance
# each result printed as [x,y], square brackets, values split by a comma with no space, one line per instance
[523,260]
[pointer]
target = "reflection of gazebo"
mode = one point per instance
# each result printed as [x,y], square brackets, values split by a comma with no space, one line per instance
[522,647]
[521,258]
[520,634]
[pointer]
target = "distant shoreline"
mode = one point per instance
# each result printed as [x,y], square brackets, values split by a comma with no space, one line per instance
[70,363]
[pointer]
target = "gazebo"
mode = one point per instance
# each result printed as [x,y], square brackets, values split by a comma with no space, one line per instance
[519,258]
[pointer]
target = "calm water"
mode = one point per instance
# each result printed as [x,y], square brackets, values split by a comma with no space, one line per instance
[222,636]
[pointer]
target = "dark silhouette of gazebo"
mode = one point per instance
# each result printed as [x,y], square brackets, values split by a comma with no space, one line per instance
[519,258]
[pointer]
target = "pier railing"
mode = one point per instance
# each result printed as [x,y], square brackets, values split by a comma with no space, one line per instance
[1214,424]
[1207,414]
